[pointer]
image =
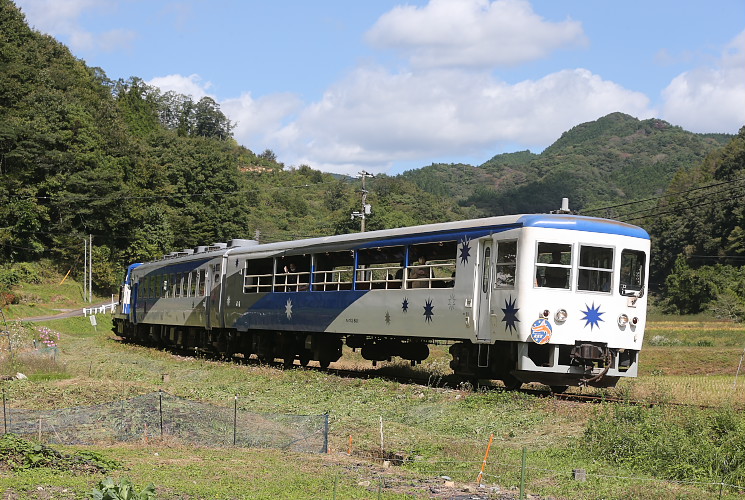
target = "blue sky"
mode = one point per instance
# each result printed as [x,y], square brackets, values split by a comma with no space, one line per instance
[386,85]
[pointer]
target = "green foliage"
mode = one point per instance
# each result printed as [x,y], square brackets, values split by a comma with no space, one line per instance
[705,223]
[718,287]
[20,454]
[107,489]
[14,274]
[679,444]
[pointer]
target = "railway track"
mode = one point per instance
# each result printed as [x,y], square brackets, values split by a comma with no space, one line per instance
[432,380]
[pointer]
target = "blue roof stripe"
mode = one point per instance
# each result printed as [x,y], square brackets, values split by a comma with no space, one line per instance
[589,224]
[451,234]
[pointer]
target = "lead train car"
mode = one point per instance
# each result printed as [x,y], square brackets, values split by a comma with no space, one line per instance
[556,299]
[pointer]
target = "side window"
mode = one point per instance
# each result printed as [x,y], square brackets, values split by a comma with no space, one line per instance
[632,271]
[595,269]
[380,268]
[506,261]
[333,271]
[432,265]
[257,276]
[292,274]
[553,265]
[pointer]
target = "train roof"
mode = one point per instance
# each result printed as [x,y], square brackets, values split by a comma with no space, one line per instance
[472,228]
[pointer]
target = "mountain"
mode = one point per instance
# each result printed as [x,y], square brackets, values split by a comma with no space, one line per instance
[614,159]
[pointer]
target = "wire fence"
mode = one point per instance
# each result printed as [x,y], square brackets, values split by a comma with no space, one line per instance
[160,415]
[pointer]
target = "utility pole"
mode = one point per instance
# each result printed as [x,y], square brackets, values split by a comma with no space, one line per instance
[85,268]
[366,208]
[90,268]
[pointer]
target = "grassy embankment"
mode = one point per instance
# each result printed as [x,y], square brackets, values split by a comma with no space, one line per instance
[440,429]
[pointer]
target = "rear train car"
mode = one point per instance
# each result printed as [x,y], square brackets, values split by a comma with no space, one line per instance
[557,299]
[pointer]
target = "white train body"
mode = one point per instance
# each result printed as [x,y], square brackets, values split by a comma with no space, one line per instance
[556,299]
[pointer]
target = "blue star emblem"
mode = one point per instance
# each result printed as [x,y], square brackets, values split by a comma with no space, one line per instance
[592,316]
[405,305]
[387,318]
[428,311]
[465,250]
[510,314]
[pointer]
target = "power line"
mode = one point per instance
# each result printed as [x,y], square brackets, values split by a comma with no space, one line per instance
[731,180]
[684,203]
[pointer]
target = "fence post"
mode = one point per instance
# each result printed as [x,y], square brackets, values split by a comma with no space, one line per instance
[326,432]
[5,419]
[235,417]
[160,410]
[522,475]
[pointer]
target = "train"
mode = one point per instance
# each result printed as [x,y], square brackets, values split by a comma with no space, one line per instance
[557,299]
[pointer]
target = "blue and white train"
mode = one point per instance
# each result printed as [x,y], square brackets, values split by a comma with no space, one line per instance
[557,299]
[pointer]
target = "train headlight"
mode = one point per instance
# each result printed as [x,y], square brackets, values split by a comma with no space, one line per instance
[545,313]
[560,316]
[623,320]
[635,320]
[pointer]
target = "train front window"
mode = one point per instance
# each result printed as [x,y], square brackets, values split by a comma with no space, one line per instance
[595,269]
[553,265]
[632,271]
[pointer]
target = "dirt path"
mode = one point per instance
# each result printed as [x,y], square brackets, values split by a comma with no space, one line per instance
[61,315]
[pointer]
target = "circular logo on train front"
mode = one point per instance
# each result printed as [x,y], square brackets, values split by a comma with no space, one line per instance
[540,331]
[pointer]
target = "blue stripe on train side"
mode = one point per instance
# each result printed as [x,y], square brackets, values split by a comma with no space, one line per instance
[589,224]
[299,311]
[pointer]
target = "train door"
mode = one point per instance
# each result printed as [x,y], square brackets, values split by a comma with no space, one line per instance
[214,279]
[483,320]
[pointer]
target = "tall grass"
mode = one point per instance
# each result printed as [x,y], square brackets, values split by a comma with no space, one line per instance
[685,444]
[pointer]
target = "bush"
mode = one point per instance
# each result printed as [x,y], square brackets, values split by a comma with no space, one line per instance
[719,287]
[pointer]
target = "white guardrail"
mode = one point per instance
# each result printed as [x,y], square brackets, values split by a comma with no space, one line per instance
[102,309]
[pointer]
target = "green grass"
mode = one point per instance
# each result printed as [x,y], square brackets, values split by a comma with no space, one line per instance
[439,429]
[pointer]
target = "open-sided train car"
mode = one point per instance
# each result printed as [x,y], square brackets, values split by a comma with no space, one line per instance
[554,298]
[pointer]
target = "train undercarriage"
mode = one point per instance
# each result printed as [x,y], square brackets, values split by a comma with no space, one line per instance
[511,362]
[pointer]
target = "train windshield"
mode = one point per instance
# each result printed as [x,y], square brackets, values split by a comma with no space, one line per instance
[553,265]
[595,269]
[632,271]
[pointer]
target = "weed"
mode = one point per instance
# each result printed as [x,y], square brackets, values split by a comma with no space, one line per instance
[107,489]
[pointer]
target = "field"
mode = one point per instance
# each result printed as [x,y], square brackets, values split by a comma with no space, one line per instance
[439,430]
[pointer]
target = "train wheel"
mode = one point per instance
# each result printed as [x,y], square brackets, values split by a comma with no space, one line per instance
[304,359]
[288,361]
[511,383]
[324,363]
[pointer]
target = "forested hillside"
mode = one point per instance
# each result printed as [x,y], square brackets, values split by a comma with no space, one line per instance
[614,159]
[147,172]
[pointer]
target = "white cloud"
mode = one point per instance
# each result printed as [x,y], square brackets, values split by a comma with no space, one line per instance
[710,99]
[374,117]
[258,121]
[61,19]
[472,33]
[188,85]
